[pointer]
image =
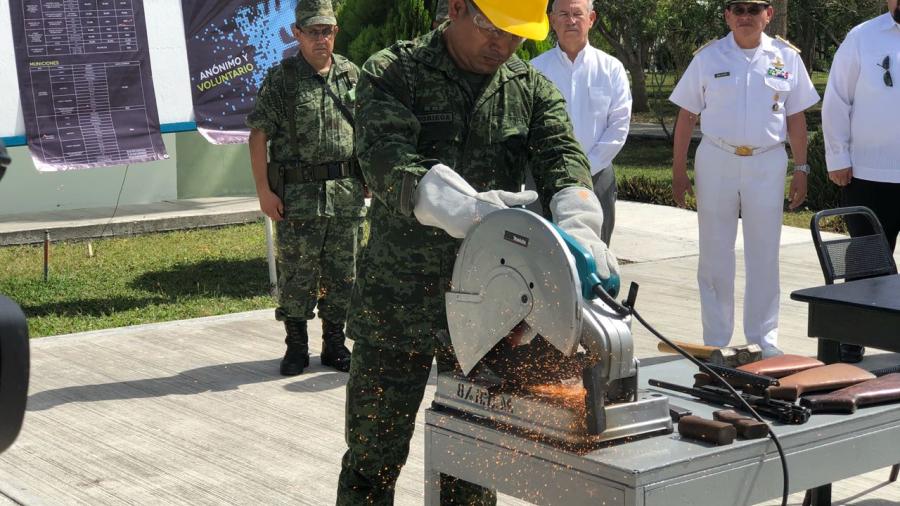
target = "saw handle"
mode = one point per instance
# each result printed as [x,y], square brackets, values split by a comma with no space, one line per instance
[610,301]
[587,268]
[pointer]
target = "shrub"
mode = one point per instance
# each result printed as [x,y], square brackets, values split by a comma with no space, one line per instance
[650,191]
[821,192]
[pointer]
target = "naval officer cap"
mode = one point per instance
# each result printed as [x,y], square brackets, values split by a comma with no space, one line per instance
[314,12]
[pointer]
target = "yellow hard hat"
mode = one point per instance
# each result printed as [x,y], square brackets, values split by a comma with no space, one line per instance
[525,18]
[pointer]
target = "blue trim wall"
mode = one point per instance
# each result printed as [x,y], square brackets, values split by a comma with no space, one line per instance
[167,128]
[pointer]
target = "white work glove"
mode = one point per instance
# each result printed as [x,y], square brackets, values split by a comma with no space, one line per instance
[445,200]
[577,211]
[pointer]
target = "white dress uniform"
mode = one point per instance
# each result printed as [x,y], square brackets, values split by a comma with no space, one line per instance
[743,98]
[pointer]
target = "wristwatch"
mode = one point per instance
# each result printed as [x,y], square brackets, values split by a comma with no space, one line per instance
[802,168]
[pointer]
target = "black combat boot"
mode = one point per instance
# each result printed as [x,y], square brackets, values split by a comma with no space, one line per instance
[297,355]
[334,353]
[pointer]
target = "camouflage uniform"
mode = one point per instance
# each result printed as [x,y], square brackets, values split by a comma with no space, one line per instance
[415,108]
[442,11]
[317,241]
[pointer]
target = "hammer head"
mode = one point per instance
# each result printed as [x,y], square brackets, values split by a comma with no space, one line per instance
[734,356]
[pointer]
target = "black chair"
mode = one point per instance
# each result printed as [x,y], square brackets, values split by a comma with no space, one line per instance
[849,258]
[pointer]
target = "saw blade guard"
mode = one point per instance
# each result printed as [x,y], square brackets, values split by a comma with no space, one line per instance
[514,267]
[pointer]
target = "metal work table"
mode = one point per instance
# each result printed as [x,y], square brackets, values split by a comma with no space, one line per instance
[661,470]
[865,312]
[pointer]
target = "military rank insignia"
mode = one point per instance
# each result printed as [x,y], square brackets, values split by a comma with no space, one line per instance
[777,69]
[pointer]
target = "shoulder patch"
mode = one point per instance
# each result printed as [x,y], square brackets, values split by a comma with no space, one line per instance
[517,65]
[788,43]
[704,46]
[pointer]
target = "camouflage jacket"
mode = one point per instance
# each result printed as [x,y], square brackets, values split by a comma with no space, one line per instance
[323,135]
[413,110]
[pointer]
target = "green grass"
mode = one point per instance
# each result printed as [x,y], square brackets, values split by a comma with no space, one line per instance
[142,279]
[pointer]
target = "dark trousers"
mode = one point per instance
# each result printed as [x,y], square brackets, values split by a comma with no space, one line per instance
[384,392]
[882,198]
[607,192]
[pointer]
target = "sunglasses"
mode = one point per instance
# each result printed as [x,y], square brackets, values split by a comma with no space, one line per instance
[886,65]
[324,33]
[484,24]
[752,9]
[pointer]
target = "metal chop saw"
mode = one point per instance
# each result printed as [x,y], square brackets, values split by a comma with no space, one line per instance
[538,351]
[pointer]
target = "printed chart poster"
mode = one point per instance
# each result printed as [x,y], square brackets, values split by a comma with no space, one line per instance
[231,44]
[86,84]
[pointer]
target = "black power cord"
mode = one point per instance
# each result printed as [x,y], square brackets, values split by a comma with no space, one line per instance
[626,308]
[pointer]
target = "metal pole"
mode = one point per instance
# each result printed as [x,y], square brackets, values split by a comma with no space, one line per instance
[270,254]
[46,255]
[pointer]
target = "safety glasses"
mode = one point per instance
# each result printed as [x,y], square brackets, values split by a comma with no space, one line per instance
[324,33]
[886,66]
[484,24]
[751,9]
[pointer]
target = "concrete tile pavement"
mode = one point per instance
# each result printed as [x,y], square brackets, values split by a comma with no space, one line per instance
[193,412]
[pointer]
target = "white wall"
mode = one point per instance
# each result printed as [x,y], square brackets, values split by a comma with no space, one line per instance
[25,190]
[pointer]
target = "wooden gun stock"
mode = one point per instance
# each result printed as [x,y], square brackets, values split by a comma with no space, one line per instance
[710,431]
[846,400]
[825,378]
[781,366]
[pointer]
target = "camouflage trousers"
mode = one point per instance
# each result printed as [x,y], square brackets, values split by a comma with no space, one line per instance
[384,392]
[316,266]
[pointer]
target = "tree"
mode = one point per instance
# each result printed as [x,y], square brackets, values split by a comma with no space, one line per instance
[817,27]
[368,27]
[779,25]
[531,48]
[629,27]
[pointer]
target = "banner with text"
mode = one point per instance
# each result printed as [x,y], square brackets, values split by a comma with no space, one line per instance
[231,45]
[85,83]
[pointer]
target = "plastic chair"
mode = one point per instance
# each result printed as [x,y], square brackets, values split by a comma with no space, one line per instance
[849,258]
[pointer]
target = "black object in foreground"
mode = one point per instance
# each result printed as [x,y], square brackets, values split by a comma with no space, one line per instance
[14,366]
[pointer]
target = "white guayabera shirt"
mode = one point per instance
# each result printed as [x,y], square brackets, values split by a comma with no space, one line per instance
[598,99]
[861,112]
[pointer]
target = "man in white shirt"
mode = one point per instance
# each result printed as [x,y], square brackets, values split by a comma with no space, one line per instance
[597,93]
[859,118]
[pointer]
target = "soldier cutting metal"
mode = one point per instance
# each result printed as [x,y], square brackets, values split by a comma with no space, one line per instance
[447,126]
[310,184]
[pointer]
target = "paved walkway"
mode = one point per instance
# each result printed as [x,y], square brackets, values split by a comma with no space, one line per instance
[194,412]
[29,228]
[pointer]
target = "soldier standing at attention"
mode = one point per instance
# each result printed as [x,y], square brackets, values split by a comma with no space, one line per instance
[750,92]
[447,126]
[310,184]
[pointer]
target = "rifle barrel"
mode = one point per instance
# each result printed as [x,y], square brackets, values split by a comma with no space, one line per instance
[782,411]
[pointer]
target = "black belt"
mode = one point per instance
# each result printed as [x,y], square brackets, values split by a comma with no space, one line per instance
[307,173]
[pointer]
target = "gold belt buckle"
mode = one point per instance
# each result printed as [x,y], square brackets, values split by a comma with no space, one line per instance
[743,151]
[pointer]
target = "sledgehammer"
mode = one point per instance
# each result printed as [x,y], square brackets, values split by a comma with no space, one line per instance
[732,356]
